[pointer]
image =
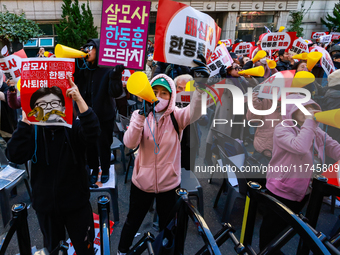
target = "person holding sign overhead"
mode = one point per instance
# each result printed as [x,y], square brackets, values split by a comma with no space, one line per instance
[157,170]
[60,192]
[99,86]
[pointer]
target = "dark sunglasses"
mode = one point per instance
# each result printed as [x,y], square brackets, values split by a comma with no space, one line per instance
[88,48]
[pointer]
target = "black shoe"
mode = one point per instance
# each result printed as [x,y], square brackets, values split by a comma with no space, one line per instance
[93,179]
[105,178]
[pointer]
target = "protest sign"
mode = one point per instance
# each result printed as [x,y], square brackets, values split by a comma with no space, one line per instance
[43,91]
[219,58]
[11,66]
[299,46]
[96,242]
[182,33]
[124,33]
[326,39]
[335,36]
[316,35]
[326,60]
[243,48]
[183,99]
[277,41]
[227,42]
[279,80]
[253,51]
[126,75]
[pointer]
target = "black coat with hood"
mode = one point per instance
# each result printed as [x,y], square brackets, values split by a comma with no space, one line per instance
[59,178]
[99,86]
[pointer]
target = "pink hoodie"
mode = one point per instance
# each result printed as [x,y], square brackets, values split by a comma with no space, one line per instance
[162,172]
[263,139]
[292,148]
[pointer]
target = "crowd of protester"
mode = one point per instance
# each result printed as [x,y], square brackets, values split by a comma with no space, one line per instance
[168,137]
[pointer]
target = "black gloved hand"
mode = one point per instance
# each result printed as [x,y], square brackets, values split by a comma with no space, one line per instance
[148,108]
[116,72]
[11,88]
[223,71]
[119,68]
[201,72]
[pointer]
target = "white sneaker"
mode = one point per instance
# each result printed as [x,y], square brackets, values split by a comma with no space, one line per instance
[112,159]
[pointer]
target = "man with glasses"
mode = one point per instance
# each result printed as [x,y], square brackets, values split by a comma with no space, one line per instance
[99,86]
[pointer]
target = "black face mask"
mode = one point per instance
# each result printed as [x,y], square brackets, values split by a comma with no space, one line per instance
[337,65]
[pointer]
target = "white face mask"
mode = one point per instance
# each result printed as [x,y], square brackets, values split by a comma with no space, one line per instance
[161,105]
[263,61]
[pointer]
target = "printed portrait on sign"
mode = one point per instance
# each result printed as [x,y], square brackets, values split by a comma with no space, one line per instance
[48,105]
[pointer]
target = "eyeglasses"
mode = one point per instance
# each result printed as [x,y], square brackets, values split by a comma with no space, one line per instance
[237,68]
[88,48]
[54,104]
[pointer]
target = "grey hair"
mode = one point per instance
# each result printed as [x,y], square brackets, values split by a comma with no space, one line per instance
[183,76]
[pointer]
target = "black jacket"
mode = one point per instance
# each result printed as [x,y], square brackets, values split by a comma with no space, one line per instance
[8,115]
[99,86]
[58,177]
[283,66]
[331,101]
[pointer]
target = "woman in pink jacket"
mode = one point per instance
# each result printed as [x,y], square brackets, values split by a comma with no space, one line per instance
[296,149]
[157,170]
[263,138]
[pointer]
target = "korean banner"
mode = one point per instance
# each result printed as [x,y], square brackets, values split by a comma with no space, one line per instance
[96,242]
[219,58]
[43,91]
[227,42]
[335,36]
[299,46]
[279,80]
[182,33]
[124,33]
[326,60]
[243,48]
[316,35]
[326,39]
[277,41]
[11,66]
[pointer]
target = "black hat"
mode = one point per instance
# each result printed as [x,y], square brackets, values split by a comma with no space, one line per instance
[337,55]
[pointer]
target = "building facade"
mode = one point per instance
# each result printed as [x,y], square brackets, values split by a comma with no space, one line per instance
[238,19]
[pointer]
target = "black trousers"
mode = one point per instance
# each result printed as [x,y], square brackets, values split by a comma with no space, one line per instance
[78,223]
[140,203]
[272,224]
[101,150]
